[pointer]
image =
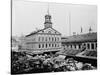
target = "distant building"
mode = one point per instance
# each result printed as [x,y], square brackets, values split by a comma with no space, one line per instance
[44,40]
[84,45]
[14,44]
[77,42]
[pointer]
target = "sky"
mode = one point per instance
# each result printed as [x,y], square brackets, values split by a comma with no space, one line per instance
[27,16]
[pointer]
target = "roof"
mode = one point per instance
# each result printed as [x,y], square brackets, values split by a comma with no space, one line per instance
[69,52]
[81,38]
[90,53]
[86,53]
[35,32]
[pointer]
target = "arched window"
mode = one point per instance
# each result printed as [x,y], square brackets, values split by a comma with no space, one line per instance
[84,44]
[46,45]
[88,46]
[92,46]
[55,38]
[49,45]
[39,46]
[49,38]
[55,45]
[75,46]
[79,46]
[70,46]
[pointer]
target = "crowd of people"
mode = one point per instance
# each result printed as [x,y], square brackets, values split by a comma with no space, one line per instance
[22,62]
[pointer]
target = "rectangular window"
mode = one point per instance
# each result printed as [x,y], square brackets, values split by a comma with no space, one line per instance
[49,45]
[55,45]
[49,38]
[92,46]
[55,38]
[58,45]
[79,46]
[75,46]
[58,38]
[88,46]
[70,46]
[46,45]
